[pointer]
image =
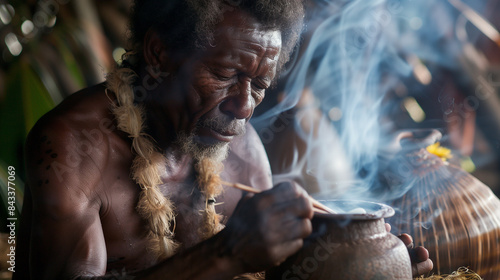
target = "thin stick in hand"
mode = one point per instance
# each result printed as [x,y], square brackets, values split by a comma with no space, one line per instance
[315,203]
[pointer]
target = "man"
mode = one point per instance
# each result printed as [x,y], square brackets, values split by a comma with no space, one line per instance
[124,177]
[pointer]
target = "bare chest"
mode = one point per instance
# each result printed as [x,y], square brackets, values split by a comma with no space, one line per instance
[190,204]
[126,233]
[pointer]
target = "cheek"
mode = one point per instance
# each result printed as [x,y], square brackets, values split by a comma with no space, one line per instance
[259,97]
[206,96]
[194,99]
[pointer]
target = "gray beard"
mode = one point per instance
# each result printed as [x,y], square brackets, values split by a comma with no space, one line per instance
[216,153]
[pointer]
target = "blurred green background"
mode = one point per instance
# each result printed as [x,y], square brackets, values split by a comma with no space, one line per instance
[49,49]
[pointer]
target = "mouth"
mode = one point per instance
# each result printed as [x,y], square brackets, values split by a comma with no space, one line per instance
[210,136]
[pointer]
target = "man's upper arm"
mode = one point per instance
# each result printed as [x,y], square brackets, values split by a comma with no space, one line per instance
[66,233]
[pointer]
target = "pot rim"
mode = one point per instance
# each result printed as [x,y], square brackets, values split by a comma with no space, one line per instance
[383,211]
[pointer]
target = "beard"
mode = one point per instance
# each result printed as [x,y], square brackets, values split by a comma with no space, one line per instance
[215,152]
[198,151]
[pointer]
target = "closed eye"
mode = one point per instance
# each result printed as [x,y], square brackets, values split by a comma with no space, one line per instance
[258,87]
[258,95]
[223,78]
[258,84]
[223,74]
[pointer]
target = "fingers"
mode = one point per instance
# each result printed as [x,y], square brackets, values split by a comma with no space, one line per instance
[418,254]
[287,199]
[420,268]
[300,207]
[271,225]
[420,262]
[290,220]
[287,191]
[407,240]
[387,227]
[278,231]
[298,229]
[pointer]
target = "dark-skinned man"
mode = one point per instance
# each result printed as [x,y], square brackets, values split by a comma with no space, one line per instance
[125,176]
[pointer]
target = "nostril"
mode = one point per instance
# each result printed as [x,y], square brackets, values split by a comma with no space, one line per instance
[239,106]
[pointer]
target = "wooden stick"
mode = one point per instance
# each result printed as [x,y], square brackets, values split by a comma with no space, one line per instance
[317,204]
[477,20]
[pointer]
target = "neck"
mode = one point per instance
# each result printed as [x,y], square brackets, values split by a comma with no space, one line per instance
[161,105]
[178,166]
[161,129]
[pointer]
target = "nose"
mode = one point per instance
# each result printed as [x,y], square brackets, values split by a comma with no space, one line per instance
[240,103]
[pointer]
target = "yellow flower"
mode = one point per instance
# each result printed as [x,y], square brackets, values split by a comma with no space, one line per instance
[439,151]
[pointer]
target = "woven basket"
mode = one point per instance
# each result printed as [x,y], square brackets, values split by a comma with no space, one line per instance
[446,210]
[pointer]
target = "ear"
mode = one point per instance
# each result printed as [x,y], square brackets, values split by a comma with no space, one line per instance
[157,55]
[153,47]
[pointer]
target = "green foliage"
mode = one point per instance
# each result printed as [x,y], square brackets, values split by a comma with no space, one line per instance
[68,57]
[25,102]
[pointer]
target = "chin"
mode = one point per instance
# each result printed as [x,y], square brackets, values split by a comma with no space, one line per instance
[216,151]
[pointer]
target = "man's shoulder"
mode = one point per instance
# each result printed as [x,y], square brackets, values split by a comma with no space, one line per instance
[249,146]
[75,118]
[72,138]
[247,162]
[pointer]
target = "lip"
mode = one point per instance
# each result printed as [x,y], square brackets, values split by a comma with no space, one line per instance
[206,133]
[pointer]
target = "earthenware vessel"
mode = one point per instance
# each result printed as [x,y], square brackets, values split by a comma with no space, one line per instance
[349,245]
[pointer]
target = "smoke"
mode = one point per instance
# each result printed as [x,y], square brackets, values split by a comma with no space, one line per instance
[354,52]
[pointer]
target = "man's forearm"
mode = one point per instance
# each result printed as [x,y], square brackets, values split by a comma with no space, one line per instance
[206,261]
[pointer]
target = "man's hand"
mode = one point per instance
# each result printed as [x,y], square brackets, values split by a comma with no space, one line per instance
[270,226]
[420,262]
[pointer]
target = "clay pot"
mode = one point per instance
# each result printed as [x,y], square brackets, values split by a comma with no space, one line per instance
[446,210]
[348,246]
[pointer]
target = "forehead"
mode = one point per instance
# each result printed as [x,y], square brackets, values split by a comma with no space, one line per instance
[239,31]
